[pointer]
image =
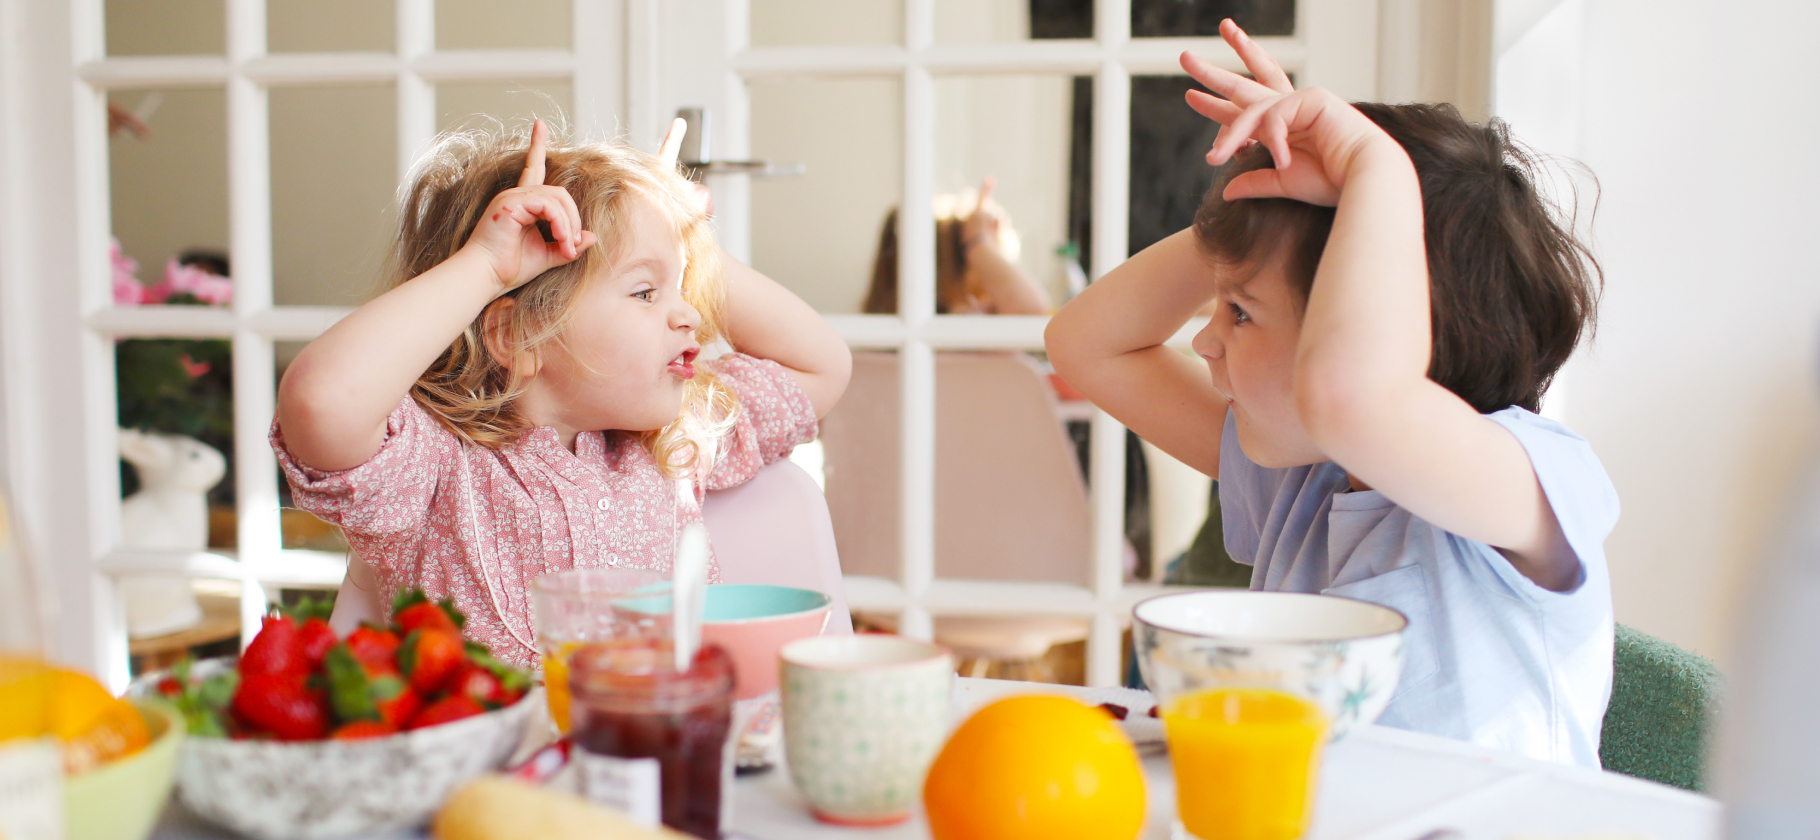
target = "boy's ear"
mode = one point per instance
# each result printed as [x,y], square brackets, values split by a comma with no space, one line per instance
[496,335]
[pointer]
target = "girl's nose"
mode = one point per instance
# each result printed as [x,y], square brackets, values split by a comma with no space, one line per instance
[685,317]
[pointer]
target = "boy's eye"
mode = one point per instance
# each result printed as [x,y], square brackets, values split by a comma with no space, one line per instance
[1238,315]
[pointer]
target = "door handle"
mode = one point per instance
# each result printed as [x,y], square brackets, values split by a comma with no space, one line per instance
[694,153]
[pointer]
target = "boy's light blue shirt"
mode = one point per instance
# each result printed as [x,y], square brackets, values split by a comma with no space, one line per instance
[1491,657]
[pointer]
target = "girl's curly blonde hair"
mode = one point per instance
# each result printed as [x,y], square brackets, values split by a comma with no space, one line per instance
[473,394]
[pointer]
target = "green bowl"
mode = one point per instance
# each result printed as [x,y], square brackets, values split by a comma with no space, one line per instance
[123,799]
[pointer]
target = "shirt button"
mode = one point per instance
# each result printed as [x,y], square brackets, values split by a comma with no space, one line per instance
[603,504]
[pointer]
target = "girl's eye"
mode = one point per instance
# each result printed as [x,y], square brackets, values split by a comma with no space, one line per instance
[1238,315]
[645,294]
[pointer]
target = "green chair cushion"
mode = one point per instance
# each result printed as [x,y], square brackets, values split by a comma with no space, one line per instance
[1663,700]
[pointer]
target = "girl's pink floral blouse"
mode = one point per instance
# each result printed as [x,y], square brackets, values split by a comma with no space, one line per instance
[479,525]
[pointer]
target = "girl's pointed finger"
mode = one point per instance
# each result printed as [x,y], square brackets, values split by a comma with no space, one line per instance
[672,145]
[1263,67]
[533,174]
[985,193]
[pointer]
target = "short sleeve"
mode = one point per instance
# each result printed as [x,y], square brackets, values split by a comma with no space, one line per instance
[775,416]
[391,492]
[1579,492]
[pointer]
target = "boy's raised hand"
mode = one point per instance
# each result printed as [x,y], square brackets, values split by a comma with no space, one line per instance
[508,237]
[1324,127]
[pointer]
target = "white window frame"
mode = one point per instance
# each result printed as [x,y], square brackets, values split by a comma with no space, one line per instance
[57,323]
[708,60]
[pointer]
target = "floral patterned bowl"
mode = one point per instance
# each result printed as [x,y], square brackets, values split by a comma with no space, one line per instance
[306,790]
[1344,655]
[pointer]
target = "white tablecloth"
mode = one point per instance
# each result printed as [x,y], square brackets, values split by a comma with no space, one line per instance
[1378,784]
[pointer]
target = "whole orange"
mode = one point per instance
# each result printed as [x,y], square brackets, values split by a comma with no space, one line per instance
[1036,768]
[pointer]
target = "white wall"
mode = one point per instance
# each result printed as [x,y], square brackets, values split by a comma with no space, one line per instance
[1700,391]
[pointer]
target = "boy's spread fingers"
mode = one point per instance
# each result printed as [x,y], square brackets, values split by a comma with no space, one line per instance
[1262,66]
[1212,107]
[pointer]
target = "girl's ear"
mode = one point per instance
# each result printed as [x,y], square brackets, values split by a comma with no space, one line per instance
[497,334]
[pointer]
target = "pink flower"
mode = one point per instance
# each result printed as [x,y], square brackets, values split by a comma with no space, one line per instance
[128,291]
[200,284]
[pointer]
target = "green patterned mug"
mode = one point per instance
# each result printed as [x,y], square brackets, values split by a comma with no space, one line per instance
[864,715]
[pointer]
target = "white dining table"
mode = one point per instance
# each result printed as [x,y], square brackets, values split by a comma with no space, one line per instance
[1377,783]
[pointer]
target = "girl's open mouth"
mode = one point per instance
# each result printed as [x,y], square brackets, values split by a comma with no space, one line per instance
[683,366]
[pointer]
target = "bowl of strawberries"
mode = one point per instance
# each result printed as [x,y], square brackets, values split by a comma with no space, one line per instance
[309,735]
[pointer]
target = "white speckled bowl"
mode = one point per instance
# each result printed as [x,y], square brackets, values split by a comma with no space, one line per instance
[309,790]
[1343,654]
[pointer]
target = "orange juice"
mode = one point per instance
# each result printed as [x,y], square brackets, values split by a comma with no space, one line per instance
[556,681]
[1245,762]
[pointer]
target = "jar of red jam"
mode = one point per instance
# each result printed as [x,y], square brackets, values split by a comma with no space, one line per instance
[654,741]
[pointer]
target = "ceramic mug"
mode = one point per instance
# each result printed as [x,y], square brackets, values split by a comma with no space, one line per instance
[864,716]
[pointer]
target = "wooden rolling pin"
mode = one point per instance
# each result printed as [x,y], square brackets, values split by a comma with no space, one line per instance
[500,808]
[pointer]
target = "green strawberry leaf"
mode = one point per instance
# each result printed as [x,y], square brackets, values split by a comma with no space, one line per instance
[407,653]
[309,607]
[509,677]
[407,598]
[350,692]
[216,692]
[448,606]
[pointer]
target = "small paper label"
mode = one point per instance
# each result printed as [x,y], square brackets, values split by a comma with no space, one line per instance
[31,790]
[633,785]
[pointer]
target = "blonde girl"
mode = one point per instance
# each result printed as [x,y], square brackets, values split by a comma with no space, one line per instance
[529,396]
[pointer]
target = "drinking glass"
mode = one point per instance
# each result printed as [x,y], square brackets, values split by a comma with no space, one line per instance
[578,606]
[1245,762]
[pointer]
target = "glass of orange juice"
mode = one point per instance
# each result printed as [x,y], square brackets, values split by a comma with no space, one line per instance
[579,606]
[1245,762]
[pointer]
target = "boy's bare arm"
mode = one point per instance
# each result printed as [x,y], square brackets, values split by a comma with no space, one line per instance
[1109,344]
[766,320]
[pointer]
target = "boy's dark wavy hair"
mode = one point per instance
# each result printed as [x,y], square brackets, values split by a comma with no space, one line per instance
[1511,290]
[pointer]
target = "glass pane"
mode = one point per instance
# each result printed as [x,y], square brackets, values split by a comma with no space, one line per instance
[330,26]
[166,27]
[460,103]
[334,175]
[1184,18]
[167,164]
[176,412]
[300,529]
[990,21]
[796,23]
[1014,130]
[818,234]
[1058,18]
[1010,501]
[1169,171]
[490,25]
[178,617]
[860,444]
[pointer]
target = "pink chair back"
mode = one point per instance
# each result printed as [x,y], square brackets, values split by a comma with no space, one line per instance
[1010,503]
[772,529]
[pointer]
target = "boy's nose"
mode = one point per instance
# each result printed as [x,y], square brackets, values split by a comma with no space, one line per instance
[1207,344]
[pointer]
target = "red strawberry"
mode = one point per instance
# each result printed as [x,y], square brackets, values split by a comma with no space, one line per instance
[316,637]
[170,687]
[480,685]
[413,610]
[402,704]
[429,656]
[363,729]
[277,650]
[447,710]
[426,616]
[281,705]
[374,647]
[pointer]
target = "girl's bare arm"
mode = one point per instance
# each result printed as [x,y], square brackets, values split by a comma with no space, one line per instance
[1109,344]
[336,396]
[766,320]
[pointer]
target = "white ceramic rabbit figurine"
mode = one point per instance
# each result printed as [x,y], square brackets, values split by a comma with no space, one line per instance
[170,511]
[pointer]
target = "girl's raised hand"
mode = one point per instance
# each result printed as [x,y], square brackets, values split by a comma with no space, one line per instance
[508,237]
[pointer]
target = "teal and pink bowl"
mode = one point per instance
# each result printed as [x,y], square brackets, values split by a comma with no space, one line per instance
[753,621]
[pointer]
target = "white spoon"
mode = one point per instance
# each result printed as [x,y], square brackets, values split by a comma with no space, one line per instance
[689,594]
